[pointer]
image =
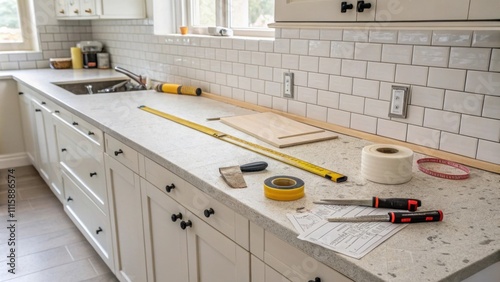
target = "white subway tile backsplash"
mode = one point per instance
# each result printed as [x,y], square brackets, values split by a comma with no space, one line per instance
[307,63]
[272,88]
[258,85]
[354,68]
[458,144]
[290,61]
[364,123]
[442,120]
[280,104]
[259,58]
[250,44]
[383,36]
[368,51]
[282,46]
[290,33]
[339,117]
[486,38]
[328,99]
[452,38]
[300,78]
[357,35]
[273,60]
[352,103]
[330,65]
[297,108]
[265,73]
[238,69]
[317,112]
[483,83]
[330,34]
[366,88]
[278,75]
[415,37]
[238,94]
[244,83]
[484,128]
[411,74]
[423,136]
[245,57]
[381,71]
[495,60]
[377,108]
[299,46]
[463,102]
[307,95]
[392,129]
[414,115]
[318,81]
[319,48]
[309,33]
[470,58]
[251,97]
[431,56]
[265,46]
[491,107]
[447,78]
[265,100]
[343,50]
[400,54]
[489,151]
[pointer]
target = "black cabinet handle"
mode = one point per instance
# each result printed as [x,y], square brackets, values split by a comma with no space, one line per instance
[75,123]
[175,217]
[317,279]
[20,93]
[91,133]
[170,187]
[118,152]
[38,110]
[57,112]
[186,224]
[69,199]
[93,174]
[43,103]
[344,7]
[63,150]
[362,6]
[98,231]
[208,212]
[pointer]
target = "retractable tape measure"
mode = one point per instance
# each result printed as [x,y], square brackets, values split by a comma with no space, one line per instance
[333,176]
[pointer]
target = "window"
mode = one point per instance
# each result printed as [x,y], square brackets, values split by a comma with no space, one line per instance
[244,17]
[16,26]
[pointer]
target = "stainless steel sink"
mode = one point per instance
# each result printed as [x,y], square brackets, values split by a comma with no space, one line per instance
[98,87]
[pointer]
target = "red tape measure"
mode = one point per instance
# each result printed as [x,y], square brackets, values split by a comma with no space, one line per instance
[443,175]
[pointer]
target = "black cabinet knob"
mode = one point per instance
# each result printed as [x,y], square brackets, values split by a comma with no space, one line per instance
[91,133]
[118,152]
[362,6]
[170,187]
[57,112]
[20,93]
[43,103]
[38,110]
[175,217]
[93,174]
[186,224]
[208,212]
[317,279]
[344,7]
[63,150]
[98,230]
[75,123]
[69,199]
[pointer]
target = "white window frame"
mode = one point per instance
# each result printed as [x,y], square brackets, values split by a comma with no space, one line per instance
[223,19]
[28,27]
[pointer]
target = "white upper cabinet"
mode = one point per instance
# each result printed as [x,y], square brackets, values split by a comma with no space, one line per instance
[385,10]
[100,9]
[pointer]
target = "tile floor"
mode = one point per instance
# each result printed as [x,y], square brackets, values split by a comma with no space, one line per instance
[48,245]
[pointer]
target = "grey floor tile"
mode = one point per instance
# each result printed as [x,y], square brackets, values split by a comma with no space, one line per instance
[81,250]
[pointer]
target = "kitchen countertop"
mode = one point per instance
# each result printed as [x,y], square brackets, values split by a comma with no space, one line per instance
[467,241]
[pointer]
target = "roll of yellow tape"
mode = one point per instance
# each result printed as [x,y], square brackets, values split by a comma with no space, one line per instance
[284,188]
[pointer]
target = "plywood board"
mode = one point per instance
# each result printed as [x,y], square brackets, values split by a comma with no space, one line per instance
[278,130]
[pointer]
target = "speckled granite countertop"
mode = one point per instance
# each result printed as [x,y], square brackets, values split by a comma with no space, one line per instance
[467,241]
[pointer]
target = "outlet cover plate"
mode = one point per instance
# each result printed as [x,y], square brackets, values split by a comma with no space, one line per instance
[288,84]
[399,101]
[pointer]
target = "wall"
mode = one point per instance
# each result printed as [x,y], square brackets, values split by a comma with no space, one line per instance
[342,77]
[55,39]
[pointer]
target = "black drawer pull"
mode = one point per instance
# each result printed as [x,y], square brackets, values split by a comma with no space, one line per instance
[75,123]
[118,152]
[175,217]
[38,110]
[317,279]
[43,103]
[91,133]
[63,150]
[92,174]
[344,7]
[362,6]
[20,93]
[170,187]
[69,199]
[208,212]
[98,231]
[57,112]
[186,224]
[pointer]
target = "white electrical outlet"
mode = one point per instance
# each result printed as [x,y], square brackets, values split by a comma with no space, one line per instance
[288,85]
[399,101]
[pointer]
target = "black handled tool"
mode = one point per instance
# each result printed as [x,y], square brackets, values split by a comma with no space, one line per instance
[395,217]
[376,202]
[255,166]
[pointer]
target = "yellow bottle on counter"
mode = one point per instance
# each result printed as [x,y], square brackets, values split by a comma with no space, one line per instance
[76,57]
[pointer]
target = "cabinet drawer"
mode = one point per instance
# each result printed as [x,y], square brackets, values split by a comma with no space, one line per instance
[92,132]
[93,224]
[87,171]
[84,143]
[122,153]
[210,210]
[294,264]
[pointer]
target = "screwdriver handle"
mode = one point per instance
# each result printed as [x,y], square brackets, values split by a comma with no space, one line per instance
[255,166]
[396,203]
[413,217]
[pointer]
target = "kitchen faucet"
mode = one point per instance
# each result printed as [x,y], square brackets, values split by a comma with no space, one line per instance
[133,76]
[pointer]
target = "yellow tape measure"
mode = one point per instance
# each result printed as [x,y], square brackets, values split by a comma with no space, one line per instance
[334,176]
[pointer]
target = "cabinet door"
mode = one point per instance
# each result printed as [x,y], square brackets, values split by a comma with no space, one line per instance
[123,9]
[87,7]
[213,256]
[74,8]
[484,10]
[43,154]
[313,10]
[126,221]
[29,129]
[421,10]
[166,243]
[61,7]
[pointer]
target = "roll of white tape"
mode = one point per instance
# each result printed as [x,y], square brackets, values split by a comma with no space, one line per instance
[387,164]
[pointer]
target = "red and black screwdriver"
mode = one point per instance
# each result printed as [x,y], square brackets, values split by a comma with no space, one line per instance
[376,202]
[395,217]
